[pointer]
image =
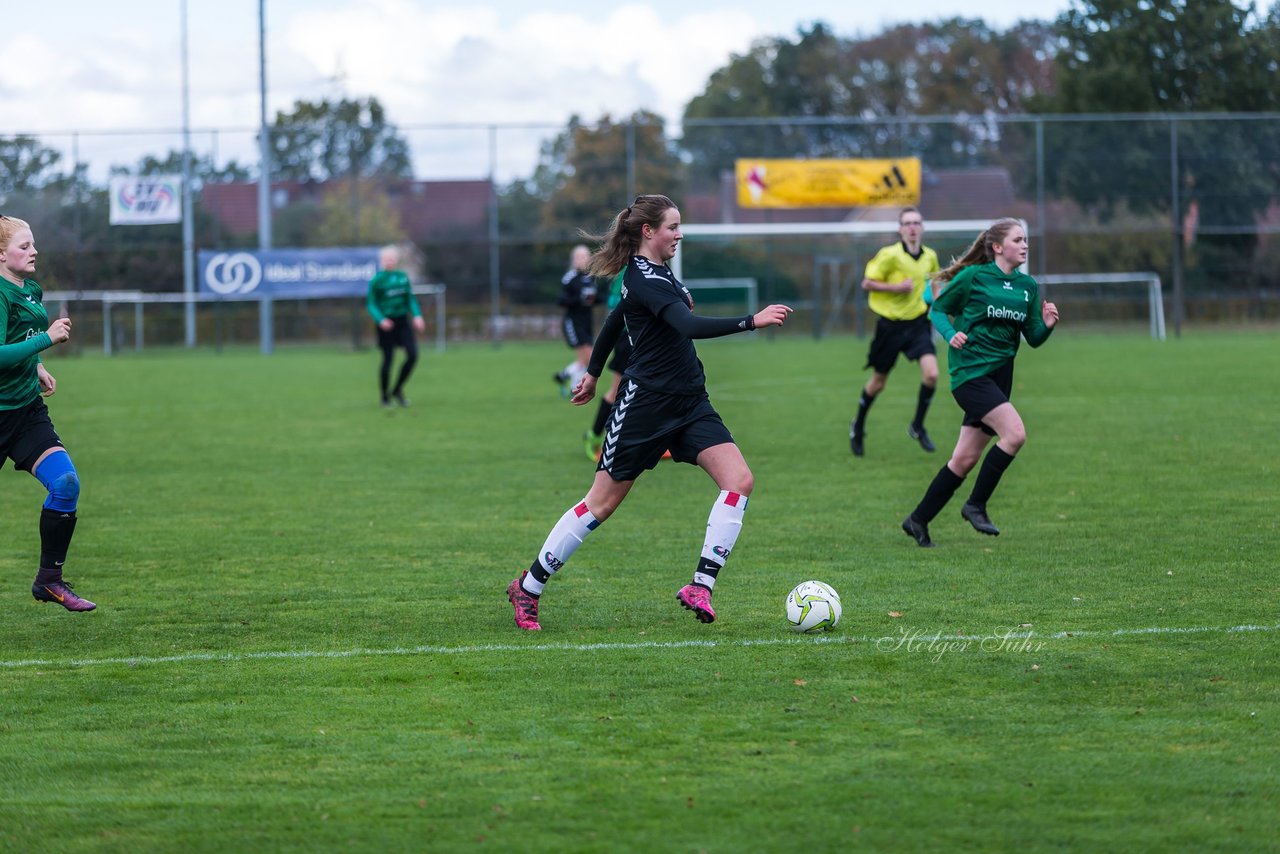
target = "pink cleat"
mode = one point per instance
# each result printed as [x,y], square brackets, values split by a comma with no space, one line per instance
[526,606]
[60,592]
[698,600]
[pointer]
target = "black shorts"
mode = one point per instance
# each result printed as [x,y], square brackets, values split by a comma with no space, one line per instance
[26,433]
[399,335]
[621,355]
[646,424]
[913,338]
[577,331]
[982,394]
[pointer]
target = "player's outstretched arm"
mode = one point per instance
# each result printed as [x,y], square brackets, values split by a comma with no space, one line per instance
[771,315]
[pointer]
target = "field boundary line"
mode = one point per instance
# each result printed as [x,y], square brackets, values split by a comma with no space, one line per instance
[276,655]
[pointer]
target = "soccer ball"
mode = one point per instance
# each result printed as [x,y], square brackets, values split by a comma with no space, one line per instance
[813,607]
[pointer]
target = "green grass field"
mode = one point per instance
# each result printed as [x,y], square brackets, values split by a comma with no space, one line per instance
[303,642]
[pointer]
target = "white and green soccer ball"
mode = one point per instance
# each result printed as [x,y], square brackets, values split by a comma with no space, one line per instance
[813,606]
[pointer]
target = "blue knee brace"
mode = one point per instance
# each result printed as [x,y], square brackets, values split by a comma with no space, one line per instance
[59,477]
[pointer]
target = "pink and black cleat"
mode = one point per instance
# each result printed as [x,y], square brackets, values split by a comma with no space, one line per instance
[698,600]
[60,593]
[526,606]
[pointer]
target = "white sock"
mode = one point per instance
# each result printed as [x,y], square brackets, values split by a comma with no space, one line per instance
[561,543]
[723,526]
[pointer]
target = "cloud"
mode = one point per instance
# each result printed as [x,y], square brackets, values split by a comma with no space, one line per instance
[429,63]
[434,65]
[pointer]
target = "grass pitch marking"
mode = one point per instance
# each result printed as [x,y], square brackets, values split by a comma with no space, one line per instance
[273,655]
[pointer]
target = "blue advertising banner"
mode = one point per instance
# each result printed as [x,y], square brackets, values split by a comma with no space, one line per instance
[286,273]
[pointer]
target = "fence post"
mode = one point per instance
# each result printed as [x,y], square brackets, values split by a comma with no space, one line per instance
[1176,196]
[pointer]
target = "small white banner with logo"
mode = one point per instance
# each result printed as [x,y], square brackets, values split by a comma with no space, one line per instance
[149,200]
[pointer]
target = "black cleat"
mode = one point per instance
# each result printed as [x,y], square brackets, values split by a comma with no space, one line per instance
[977,517]
[855,441]
[922,437]
[919,531]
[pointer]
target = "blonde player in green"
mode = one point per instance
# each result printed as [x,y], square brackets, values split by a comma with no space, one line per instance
[896,279]
[26,432]
[986,307]
[395,310]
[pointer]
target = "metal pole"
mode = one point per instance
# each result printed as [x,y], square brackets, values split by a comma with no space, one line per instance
[1042,260]
[264,178]
[494,260]
[1177,226]
[77,268]
[107,332]
[440,330]
[188,224]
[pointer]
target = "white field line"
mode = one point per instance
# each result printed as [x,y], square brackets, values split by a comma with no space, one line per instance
[193,657]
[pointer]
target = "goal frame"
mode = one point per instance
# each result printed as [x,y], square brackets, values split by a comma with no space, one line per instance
[1155,291]
[701,231]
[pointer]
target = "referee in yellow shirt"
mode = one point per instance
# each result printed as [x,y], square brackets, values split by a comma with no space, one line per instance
[895,280]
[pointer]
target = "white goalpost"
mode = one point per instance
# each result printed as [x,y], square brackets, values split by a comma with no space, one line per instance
[748,286]
[1151,281]
[827,273]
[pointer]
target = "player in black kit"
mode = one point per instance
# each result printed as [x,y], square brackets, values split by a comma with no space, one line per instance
[662,404]
[578,296]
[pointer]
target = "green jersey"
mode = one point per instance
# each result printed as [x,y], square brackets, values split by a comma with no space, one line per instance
[993,309]
[391,295]
[24,338]
[615,289]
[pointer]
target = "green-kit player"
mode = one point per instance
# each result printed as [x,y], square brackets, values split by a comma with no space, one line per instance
[986,307]
[26,432]
[594,438]
[395,310]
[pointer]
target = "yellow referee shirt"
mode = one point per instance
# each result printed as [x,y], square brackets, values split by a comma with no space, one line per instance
[894,264]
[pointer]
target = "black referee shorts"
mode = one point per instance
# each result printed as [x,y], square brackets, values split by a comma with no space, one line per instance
[645,424]
[982,394]
[913,338]
[26,433]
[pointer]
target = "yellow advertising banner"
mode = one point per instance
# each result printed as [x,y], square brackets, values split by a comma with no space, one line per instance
[828,183]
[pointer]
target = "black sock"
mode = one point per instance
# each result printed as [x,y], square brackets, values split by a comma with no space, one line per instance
[56,528]
[864,403]
[922,405]
[405,371]
[384,375]
[602,416]
[944,485]
[539,574]
[706,567]
[993,466]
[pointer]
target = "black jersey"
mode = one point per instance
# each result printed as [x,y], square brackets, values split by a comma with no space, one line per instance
[662,359]
[577,295]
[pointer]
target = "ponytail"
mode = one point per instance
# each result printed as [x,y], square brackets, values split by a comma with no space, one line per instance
[980,251]
[622,239]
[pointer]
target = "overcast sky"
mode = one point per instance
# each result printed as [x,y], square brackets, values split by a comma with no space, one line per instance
[93,66]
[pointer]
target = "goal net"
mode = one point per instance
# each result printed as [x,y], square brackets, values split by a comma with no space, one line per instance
[1106,286]
[817,268]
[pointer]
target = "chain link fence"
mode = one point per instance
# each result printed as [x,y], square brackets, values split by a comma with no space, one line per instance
[1192,198]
